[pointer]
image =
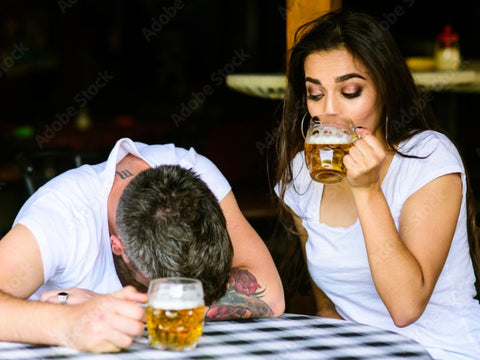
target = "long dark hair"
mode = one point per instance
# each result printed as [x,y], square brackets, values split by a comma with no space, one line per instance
[405,111]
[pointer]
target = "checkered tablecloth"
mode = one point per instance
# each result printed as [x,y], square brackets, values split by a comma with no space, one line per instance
[288,337]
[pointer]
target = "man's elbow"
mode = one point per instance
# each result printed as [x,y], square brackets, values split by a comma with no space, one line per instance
[277,306]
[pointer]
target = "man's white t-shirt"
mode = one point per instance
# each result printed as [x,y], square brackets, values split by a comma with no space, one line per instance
[68,215]
[338,263]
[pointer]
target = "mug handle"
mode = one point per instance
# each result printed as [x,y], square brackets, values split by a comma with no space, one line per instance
[357,136]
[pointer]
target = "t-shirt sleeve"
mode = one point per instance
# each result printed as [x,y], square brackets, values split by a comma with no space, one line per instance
[439,157]
[65,216]
[47,223]
[158,155]
[208,172]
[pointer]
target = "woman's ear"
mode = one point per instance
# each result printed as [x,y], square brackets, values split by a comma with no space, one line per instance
[117,245]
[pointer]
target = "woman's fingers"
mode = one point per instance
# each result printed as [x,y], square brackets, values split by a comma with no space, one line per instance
[364,161]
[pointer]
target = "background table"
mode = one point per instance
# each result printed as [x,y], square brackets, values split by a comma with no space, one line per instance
[288,337]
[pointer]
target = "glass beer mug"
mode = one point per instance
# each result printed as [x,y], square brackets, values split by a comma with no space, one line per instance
[328,139]
[175,313]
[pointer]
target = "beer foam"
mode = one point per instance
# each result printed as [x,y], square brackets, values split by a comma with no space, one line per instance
[169,304]
[329,138]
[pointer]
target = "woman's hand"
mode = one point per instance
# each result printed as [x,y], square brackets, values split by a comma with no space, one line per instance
[364,161]
[74,296]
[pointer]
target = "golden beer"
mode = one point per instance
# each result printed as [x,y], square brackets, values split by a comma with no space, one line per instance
[329,138]
[325,162]
[177,330]
[175,313]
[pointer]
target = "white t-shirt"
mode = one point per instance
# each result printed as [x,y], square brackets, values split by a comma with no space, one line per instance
[338,264]
[68,215]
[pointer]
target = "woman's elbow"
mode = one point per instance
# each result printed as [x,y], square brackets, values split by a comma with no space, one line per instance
[406,316]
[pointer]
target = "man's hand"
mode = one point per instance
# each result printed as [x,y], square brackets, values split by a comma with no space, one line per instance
[105,323]
[75,296]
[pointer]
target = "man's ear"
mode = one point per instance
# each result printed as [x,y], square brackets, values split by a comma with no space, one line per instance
[117,245]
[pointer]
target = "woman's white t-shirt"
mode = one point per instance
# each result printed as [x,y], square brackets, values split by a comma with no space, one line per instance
[337,257]
[68,215]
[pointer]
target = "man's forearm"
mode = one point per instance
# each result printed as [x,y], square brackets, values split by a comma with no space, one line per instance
[24,321]
[242,300]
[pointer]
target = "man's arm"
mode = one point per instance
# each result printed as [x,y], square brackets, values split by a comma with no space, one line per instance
[255,288]
[104,323]
[20,263]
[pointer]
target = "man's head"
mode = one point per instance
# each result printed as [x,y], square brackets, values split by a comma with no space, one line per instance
[171,224]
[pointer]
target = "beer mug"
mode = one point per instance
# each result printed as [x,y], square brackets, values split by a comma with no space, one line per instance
[328,139]
[175,313]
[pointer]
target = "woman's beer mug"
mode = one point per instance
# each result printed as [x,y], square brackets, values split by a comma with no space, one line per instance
[175,313]
[329,137]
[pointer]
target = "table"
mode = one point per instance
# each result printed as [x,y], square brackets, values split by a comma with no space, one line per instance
[290,337]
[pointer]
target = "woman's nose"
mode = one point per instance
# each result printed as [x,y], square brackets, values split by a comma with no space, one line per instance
[326,106]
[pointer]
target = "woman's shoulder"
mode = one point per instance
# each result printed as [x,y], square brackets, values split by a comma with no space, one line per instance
[422,158]
[425,142]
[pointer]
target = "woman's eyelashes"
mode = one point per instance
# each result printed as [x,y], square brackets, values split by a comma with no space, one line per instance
[352,94]
[315,97]
[348,94]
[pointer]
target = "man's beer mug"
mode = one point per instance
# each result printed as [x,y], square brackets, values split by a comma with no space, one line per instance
[328,139]
[175,313]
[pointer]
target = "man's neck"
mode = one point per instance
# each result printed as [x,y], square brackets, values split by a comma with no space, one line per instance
[125,171]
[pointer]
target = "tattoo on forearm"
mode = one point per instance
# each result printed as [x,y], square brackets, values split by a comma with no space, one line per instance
[124,174]
[242,299]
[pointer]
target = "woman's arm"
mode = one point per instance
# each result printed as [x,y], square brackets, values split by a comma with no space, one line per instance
[325,306]
[255,288]
[405,264]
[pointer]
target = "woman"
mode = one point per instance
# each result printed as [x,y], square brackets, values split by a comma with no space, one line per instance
[392,245]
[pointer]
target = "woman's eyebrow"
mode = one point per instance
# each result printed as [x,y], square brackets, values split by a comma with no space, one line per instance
[348,76]
[314,81]
[337,79]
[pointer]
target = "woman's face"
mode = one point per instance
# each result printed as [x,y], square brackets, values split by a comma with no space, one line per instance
[338,84]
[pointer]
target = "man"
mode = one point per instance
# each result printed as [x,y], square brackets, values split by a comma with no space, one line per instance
[148,211]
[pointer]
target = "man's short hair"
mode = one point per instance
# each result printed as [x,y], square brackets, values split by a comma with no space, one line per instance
[171,224]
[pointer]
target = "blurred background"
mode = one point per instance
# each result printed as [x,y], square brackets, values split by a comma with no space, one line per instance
[76,75]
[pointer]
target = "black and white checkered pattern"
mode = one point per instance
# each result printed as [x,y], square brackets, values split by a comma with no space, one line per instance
[288,337]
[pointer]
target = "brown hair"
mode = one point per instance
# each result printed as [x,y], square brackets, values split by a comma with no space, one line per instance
[406,108]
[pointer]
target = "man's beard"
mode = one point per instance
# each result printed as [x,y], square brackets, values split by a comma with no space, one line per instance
[125,274]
